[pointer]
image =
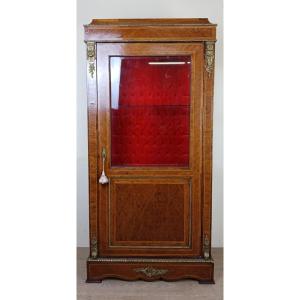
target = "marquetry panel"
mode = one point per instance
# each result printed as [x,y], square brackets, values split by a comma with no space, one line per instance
[150,212]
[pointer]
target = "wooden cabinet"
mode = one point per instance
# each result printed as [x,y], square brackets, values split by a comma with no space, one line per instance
[150,94]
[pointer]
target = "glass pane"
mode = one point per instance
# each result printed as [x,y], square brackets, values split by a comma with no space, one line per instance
[150,110]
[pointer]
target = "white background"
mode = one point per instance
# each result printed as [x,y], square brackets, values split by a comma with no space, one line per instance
[93,9]
[38,149]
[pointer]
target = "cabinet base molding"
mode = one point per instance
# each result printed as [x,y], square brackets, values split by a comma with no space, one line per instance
[147,269]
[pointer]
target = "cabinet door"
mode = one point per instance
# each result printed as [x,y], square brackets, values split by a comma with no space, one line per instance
[149,134]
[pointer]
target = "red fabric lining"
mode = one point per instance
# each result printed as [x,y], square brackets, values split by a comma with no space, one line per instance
[150,122]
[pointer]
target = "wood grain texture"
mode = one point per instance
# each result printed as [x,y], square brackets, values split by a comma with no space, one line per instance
[203,272]
[193,172]
[92,149]
[153,30]
[152,22]
[149,213]
[207,154]
[121,212]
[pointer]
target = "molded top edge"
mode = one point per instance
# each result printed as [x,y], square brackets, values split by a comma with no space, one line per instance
[152,22]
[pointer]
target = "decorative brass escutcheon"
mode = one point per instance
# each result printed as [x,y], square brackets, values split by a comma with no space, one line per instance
[151,272]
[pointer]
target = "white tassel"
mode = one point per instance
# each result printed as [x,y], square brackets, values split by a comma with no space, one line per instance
[103,178]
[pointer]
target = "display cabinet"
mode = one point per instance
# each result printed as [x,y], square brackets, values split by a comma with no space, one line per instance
[150,95]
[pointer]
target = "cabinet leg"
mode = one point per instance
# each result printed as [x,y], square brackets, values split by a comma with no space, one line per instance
[98,281]
[206,282]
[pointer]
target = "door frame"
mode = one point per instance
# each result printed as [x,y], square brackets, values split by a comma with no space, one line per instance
[196,50]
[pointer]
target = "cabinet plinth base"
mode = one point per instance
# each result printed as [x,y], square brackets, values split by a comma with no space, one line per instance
[150,269]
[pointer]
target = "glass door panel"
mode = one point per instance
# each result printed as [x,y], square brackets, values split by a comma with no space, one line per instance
[150,110]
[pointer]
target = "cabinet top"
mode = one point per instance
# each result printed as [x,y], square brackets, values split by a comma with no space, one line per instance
[152,22]
[133,30]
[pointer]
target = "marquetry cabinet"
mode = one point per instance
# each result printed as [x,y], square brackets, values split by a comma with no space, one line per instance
[150,96]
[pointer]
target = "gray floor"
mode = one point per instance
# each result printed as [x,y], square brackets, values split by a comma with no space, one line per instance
[158,290]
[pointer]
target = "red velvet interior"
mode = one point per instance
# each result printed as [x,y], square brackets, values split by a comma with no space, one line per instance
[150,111]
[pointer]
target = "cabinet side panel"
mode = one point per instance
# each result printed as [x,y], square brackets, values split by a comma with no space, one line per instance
[92,144]
[208,71]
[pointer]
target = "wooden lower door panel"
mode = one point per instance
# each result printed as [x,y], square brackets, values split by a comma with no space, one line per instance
[150,212]
[149,216]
